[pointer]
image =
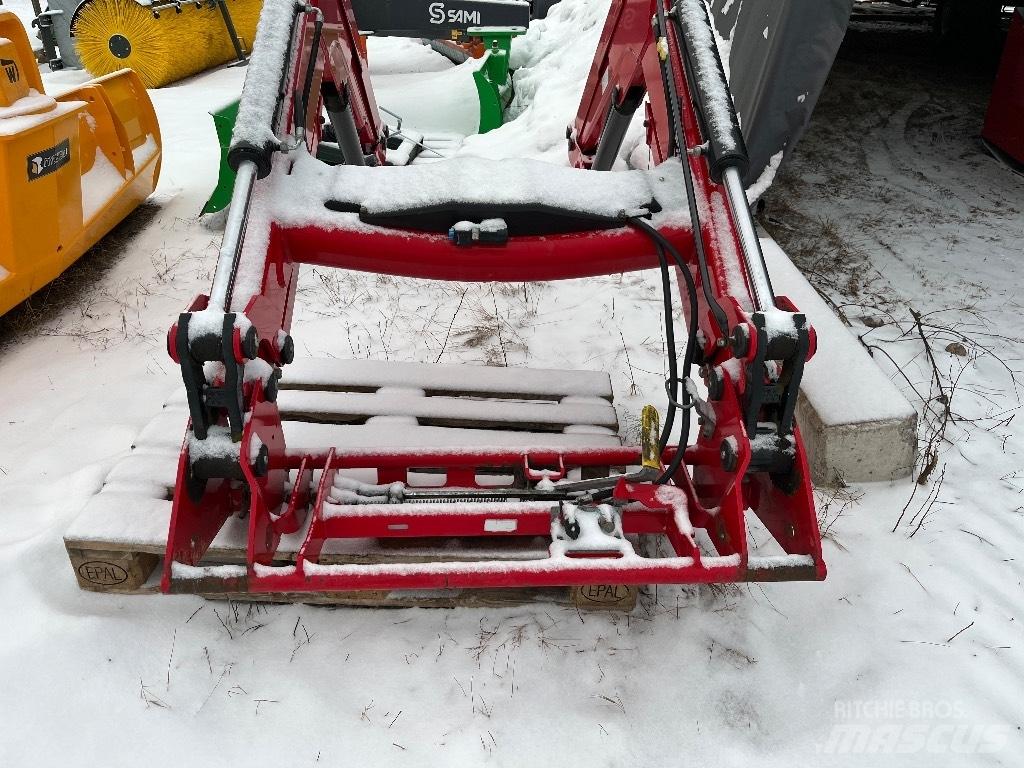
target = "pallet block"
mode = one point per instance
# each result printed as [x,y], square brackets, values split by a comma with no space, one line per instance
[101,570]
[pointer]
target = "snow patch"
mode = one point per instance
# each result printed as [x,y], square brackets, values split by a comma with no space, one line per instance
[99,185]
[706,57]
[387,190]
[191,572]
[217,445]
[764,181]
[143,153]
[32,103]
[263,75]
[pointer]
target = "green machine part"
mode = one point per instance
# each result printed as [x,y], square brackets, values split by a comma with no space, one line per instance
[492,79]
[492,86]
[224,122]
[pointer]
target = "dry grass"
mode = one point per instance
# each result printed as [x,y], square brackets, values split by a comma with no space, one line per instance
[387,317]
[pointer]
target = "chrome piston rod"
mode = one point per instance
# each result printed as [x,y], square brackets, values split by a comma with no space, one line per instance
[234,232]
[753,258]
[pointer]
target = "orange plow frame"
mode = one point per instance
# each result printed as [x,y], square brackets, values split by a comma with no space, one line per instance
[60,159]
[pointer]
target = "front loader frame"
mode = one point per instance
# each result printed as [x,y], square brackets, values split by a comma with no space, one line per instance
[750,344]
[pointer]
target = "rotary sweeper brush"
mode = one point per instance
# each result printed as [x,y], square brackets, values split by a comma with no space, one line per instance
[71,167]
[324,484]
[162,40]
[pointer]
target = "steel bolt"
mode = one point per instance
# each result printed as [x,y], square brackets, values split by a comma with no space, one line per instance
[287,353]
[250,343]
[716,382]
[740,341]
[271,389]
[728,456]
[261,465]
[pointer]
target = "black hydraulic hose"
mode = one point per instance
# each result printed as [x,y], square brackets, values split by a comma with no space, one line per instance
[670,343]
[691,344]
[675,113]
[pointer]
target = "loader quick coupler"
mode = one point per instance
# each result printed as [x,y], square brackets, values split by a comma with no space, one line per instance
[586,530]
[230,347]
[568,520]
[773,383]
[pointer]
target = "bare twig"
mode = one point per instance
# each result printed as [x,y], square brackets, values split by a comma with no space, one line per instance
[451,325]
[169,659]
[922,586]
[960,632]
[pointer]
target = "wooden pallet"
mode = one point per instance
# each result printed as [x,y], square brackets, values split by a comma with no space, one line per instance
[117,542]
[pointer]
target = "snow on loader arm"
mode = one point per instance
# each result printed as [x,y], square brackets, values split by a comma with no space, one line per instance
[686,214]
[72,167]
[480,29]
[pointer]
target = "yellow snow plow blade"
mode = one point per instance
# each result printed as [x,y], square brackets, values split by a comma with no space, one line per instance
[71,167]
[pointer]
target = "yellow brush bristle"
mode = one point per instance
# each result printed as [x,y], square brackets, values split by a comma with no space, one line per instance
[163,49]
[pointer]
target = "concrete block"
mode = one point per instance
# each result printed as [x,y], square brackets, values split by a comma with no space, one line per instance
[856,424]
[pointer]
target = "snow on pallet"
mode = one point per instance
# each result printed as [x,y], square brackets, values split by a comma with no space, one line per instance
[117,541]
[438,146]
[450,396]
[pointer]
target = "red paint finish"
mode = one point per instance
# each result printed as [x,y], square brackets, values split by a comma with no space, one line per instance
[434,257]
[1004,122]
[703,495]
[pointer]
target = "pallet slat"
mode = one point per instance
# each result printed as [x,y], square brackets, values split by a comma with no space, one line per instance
[490,381]
[165,432]
[342,407]
[311,438]
[116,542]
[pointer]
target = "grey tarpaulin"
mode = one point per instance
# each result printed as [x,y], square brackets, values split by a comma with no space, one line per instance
[776,77]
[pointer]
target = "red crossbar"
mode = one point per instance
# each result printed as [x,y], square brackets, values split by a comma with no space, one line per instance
[432,256]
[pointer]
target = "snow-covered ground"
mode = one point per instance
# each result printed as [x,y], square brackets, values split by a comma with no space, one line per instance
[911,653]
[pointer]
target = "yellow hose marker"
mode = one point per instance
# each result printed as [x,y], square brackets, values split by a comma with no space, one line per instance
[650,431]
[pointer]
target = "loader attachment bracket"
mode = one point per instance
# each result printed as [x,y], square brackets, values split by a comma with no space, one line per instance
[591,500]
[211,395]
